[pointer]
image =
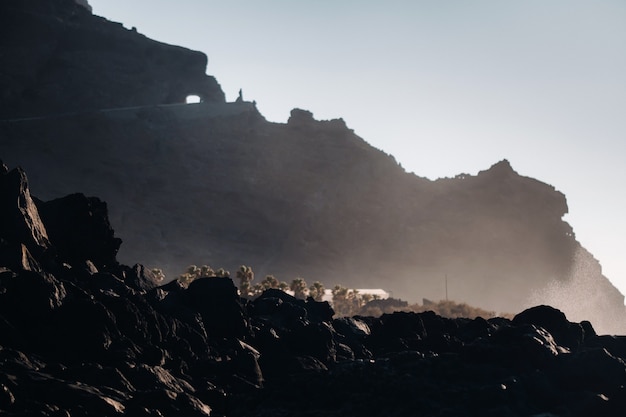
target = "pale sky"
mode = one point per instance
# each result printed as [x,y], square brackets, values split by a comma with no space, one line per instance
[445,86]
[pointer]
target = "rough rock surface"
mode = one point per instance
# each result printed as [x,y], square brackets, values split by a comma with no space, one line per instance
[79,340]
[215,183]
[58,58]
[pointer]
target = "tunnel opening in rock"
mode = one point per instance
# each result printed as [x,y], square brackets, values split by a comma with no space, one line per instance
[193,98]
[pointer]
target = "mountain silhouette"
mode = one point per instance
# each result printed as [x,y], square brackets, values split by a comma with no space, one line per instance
[88,105]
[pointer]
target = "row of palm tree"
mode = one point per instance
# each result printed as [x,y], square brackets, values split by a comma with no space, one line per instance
[298,286]
[345,301]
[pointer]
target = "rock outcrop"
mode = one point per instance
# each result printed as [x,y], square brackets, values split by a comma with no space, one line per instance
[215,183]
[58,58]
[78,339]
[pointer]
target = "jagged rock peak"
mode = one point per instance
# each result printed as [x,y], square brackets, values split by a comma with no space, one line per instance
[19,217]
[500,168]
[85,4]
[73,230]
[302,118]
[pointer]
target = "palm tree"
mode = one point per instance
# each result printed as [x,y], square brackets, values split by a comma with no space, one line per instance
[192,270]
[158,274]
[189,275]
[245,275]
[257,289]
[299,288]
[206,271]
[339,293]
[270,281]
[317,291]
[345,301]
[365,298]
[222,273]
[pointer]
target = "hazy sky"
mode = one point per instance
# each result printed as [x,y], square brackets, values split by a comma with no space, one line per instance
[445,86]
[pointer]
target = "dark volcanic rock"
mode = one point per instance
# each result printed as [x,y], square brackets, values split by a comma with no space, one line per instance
[80,231]
[567,334]
[28,296]
[141,278]
[216,299]
[20,223]
[85,340]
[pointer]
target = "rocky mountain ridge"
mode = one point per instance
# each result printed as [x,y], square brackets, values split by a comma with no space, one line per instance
[91,106]
[60,58]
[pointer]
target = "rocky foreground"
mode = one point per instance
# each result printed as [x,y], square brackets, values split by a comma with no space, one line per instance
[82,335]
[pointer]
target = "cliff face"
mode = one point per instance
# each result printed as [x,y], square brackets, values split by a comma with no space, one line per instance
[216,183]
[57,57]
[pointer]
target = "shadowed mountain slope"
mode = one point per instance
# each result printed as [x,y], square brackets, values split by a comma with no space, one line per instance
[83,335]
[216,183]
